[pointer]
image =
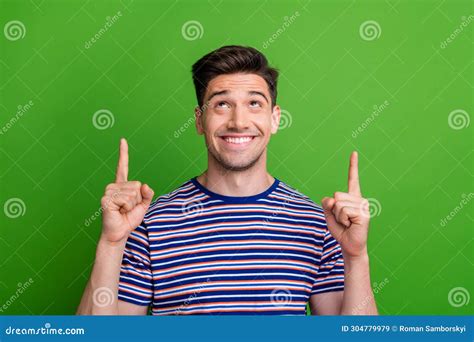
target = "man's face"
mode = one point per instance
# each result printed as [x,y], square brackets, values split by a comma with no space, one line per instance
[238,119]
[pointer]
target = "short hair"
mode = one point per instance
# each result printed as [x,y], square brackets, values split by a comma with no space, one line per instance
[232,59]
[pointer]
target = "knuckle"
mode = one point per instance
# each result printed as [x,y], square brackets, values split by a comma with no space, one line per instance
[110,186]
[120,198]
[116,193]
[136,184]
[104,201]
[111,191]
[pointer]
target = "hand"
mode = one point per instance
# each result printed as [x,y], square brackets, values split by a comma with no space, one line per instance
[347,215]
[124,203]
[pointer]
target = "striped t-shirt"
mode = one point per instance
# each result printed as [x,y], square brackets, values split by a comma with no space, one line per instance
[198,252]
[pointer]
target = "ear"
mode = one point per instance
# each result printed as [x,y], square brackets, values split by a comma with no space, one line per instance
[198,115]
[276,114]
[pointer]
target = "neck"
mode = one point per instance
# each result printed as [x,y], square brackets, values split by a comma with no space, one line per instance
[225,182]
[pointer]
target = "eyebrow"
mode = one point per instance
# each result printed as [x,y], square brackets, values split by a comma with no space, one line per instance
[254,92]
[225,92]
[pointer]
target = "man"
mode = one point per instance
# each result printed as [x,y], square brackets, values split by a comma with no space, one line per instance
[234,240]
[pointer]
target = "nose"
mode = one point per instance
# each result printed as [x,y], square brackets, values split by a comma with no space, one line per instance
[238,119]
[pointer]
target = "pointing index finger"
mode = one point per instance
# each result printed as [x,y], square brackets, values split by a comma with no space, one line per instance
[354,186]
[122,167]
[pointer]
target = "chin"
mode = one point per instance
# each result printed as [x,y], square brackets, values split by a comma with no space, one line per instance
[238,167]
[231,164]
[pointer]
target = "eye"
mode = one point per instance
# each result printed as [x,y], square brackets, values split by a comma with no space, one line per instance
[255,103]
[222,104]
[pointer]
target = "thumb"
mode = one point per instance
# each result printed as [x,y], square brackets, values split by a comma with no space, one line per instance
[147,195]
[328,204]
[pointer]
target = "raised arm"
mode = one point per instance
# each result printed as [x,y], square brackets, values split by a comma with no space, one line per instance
[124,205]
[347,218]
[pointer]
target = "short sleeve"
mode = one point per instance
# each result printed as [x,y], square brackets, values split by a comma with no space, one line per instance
[135,284]
[330,275]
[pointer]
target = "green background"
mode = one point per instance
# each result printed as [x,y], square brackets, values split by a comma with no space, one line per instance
[414,165]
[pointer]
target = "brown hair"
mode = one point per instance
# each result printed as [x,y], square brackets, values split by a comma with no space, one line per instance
[232,59]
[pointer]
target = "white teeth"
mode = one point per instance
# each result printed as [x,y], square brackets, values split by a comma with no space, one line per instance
[237,140]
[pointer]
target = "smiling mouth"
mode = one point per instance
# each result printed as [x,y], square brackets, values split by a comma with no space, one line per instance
[238,141]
